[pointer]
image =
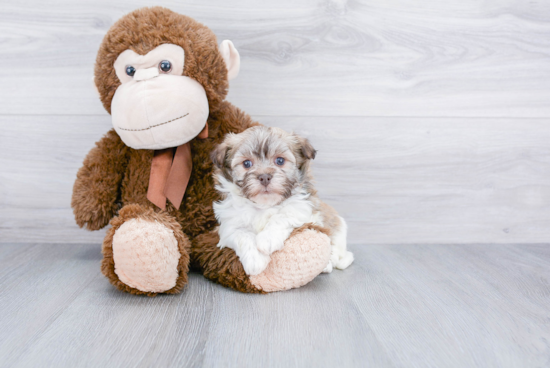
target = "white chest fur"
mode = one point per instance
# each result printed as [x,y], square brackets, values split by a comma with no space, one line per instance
[237,212]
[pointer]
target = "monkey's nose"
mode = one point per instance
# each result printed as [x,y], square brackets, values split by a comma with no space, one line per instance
[265,179]
[144,74]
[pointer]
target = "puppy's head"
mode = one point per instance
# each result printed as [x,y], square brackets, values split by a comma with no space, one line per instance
[266,164]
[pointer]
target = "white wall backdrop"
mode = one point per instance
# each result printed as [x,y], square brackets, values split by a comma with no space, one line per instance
[432,118]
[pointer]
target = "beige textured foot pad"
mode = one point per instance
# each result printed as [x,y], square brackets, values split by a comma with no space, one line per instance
[145,252]
[146,255]
[303,257]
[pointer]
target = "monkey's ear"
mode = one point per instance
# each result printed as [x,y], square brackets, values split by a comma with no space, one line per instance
[231,57]
[307,149]
[218,155]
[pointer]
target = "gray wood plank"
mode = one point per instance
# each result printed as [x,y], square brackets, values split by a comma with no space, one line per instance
[56,293]
[396,306]
[37,284]
[311,58]
[315,326]
[43,155]
[403,306]
[475,305]
[403,180]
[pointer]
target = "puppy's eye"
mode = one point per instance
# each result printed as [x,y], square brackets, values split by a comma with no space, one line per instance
[247,164]
[280,161]
[165,66]
[130,70]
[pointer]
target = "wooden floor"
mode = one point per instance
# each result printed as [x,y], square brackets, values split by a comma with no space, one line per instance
[396,306]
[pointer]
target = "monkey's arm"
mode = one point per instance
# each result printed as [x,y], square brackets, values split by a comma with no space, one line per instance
[97,186]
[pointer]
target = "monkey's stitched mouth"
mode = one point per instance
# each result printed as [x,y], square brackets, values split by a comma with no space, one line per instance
[156,125]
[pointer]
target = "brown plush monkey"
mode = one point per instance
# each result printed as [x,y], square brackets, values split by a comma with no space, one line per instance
[163,78]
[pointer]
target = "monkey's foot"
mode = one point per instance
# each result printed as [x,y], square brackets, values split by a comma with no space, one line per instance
[305,255]
[145,252]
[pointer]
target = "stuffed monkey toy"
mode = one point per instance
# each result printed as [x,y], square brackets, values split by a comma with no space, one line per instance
[163,78]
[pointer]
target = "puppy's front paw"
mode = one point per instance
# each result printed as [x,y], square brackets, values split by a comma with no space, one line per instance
[267,242]
[254,262]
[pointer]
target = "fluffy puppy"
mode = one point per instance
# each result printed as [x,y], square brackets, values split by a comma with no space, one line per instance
[264,177]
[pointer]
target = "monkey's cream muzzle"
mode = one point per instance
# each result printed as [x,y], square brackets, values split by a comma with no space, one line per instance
[153,109]
[159,112]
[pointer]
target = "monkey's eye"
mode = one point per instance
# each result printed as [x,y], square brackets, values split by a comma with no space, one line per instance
[165,66]
[280,161]
[130,70]
[247,164]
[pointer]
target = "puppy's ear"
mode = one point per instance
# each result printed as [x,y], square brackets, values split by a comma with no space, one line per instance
[218,154]
[307,149]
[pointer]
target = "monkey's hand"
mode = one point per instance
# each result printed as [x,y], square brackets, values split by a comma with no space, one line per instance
[96,189]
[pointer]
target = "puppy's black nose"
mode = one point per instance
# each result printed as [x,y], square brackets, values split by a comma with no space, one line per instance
[265,179]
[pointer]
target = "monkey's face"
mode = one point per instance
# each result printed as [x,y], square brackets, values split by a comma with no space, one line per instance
[159,74]
[156,106]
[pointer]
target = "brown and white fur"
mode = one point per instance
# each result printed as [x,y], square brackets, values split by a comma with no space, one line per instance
[264,178]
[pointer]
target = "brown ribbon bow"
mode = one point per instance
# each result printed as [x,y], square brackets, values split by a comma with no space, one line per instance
[170,173]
